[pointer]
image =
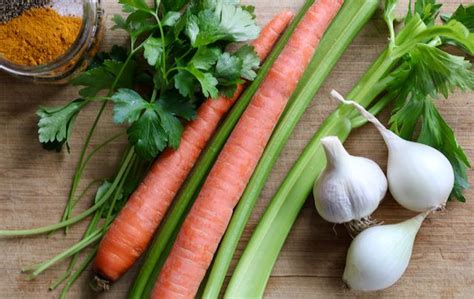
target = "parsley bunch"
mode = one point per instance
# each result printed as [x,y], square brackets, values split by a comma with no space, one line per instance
[177,57]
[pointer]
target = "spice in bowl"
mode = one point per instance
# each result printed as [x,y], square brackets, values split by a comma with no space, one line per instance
[37,35]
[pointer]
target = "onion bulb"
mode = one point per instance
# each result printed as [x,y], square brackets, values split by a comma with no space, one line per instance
[379,255]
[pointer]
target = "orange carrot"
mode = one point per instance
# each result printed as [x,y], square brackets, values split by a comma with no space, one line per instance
[207,221]
[136,223]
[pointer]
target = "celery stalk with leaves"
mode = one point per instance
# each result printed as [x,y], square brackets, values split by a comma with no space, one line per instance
[412,73]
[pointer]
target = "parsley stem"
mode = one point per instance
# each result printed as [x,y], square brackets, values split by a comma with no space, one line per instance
[163,45]
[153,95]
[176,68]
[186,53]
[90,237]
[118,192]
[93,223]
[83,193]
[86,242]
[82,267]
[77,218]
[79,168]
[80,165]
[100,98]
[90,227]
[80,171]
[99,147]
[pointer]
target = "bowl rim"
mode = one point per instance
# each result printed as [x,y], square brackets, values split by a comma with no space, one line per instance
[89,10]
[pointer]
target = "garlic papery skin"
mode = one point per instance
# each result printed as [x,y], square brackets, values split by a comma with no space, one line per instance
[420,177]
[350,188]
[379,255]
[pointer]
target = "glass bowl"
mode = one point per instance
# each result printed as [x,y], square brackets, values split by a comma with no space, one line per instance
[78,56]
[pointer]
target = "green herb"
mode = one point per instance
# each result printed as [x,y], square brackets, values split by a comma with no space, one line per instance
[396,66]
[463,14]
[56,124]
[184,53]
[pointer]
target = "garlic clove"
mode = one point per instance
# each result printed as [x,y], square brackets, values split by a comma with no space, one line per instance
[350,188]
[379,255]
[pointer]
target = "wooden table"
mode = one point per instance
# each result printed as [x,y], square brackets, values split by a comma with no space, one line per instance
[34,185]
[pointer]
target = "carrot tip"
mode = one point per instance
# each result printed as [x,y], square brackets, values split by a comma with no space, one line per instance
[100,284]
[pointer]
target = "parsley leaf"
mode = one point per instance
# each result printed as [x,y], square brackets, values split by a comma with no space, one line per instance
[147,135]
[126,77]
[191,65]
[128,106]
[177,105]
[184,83]
[153,50]
[171,18]
[55,124]
[171,125]
[158,126]
[203,29]
[250,61]
[102,77]
[207,81]
[221,20]
[102,190]
[119,199]
[133,5]
[174,4]
[94,81]
[137,23]
[238,23]
[205,58]
[117,53]
[228,69]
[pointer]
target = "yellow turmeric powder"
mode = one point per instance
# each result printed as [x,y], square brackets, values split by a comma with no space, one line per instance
[38,36]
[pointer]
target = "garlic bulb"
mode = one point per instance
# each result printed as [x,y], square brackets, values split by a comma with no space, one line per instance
[350,188]
[379,255]
[420,177]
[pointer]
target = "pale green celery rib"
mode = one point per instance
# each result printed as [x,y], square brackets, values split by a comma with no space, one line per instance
[254,268]
[349,21]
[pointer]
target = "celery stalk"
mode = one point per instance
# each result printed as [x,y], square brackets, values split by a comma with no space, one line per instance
[164,239]
[351,18]
[249,280]
[254,268]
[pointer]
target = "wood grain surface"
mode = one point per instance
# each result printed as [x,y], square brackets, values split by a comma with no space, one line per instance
[34,185]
